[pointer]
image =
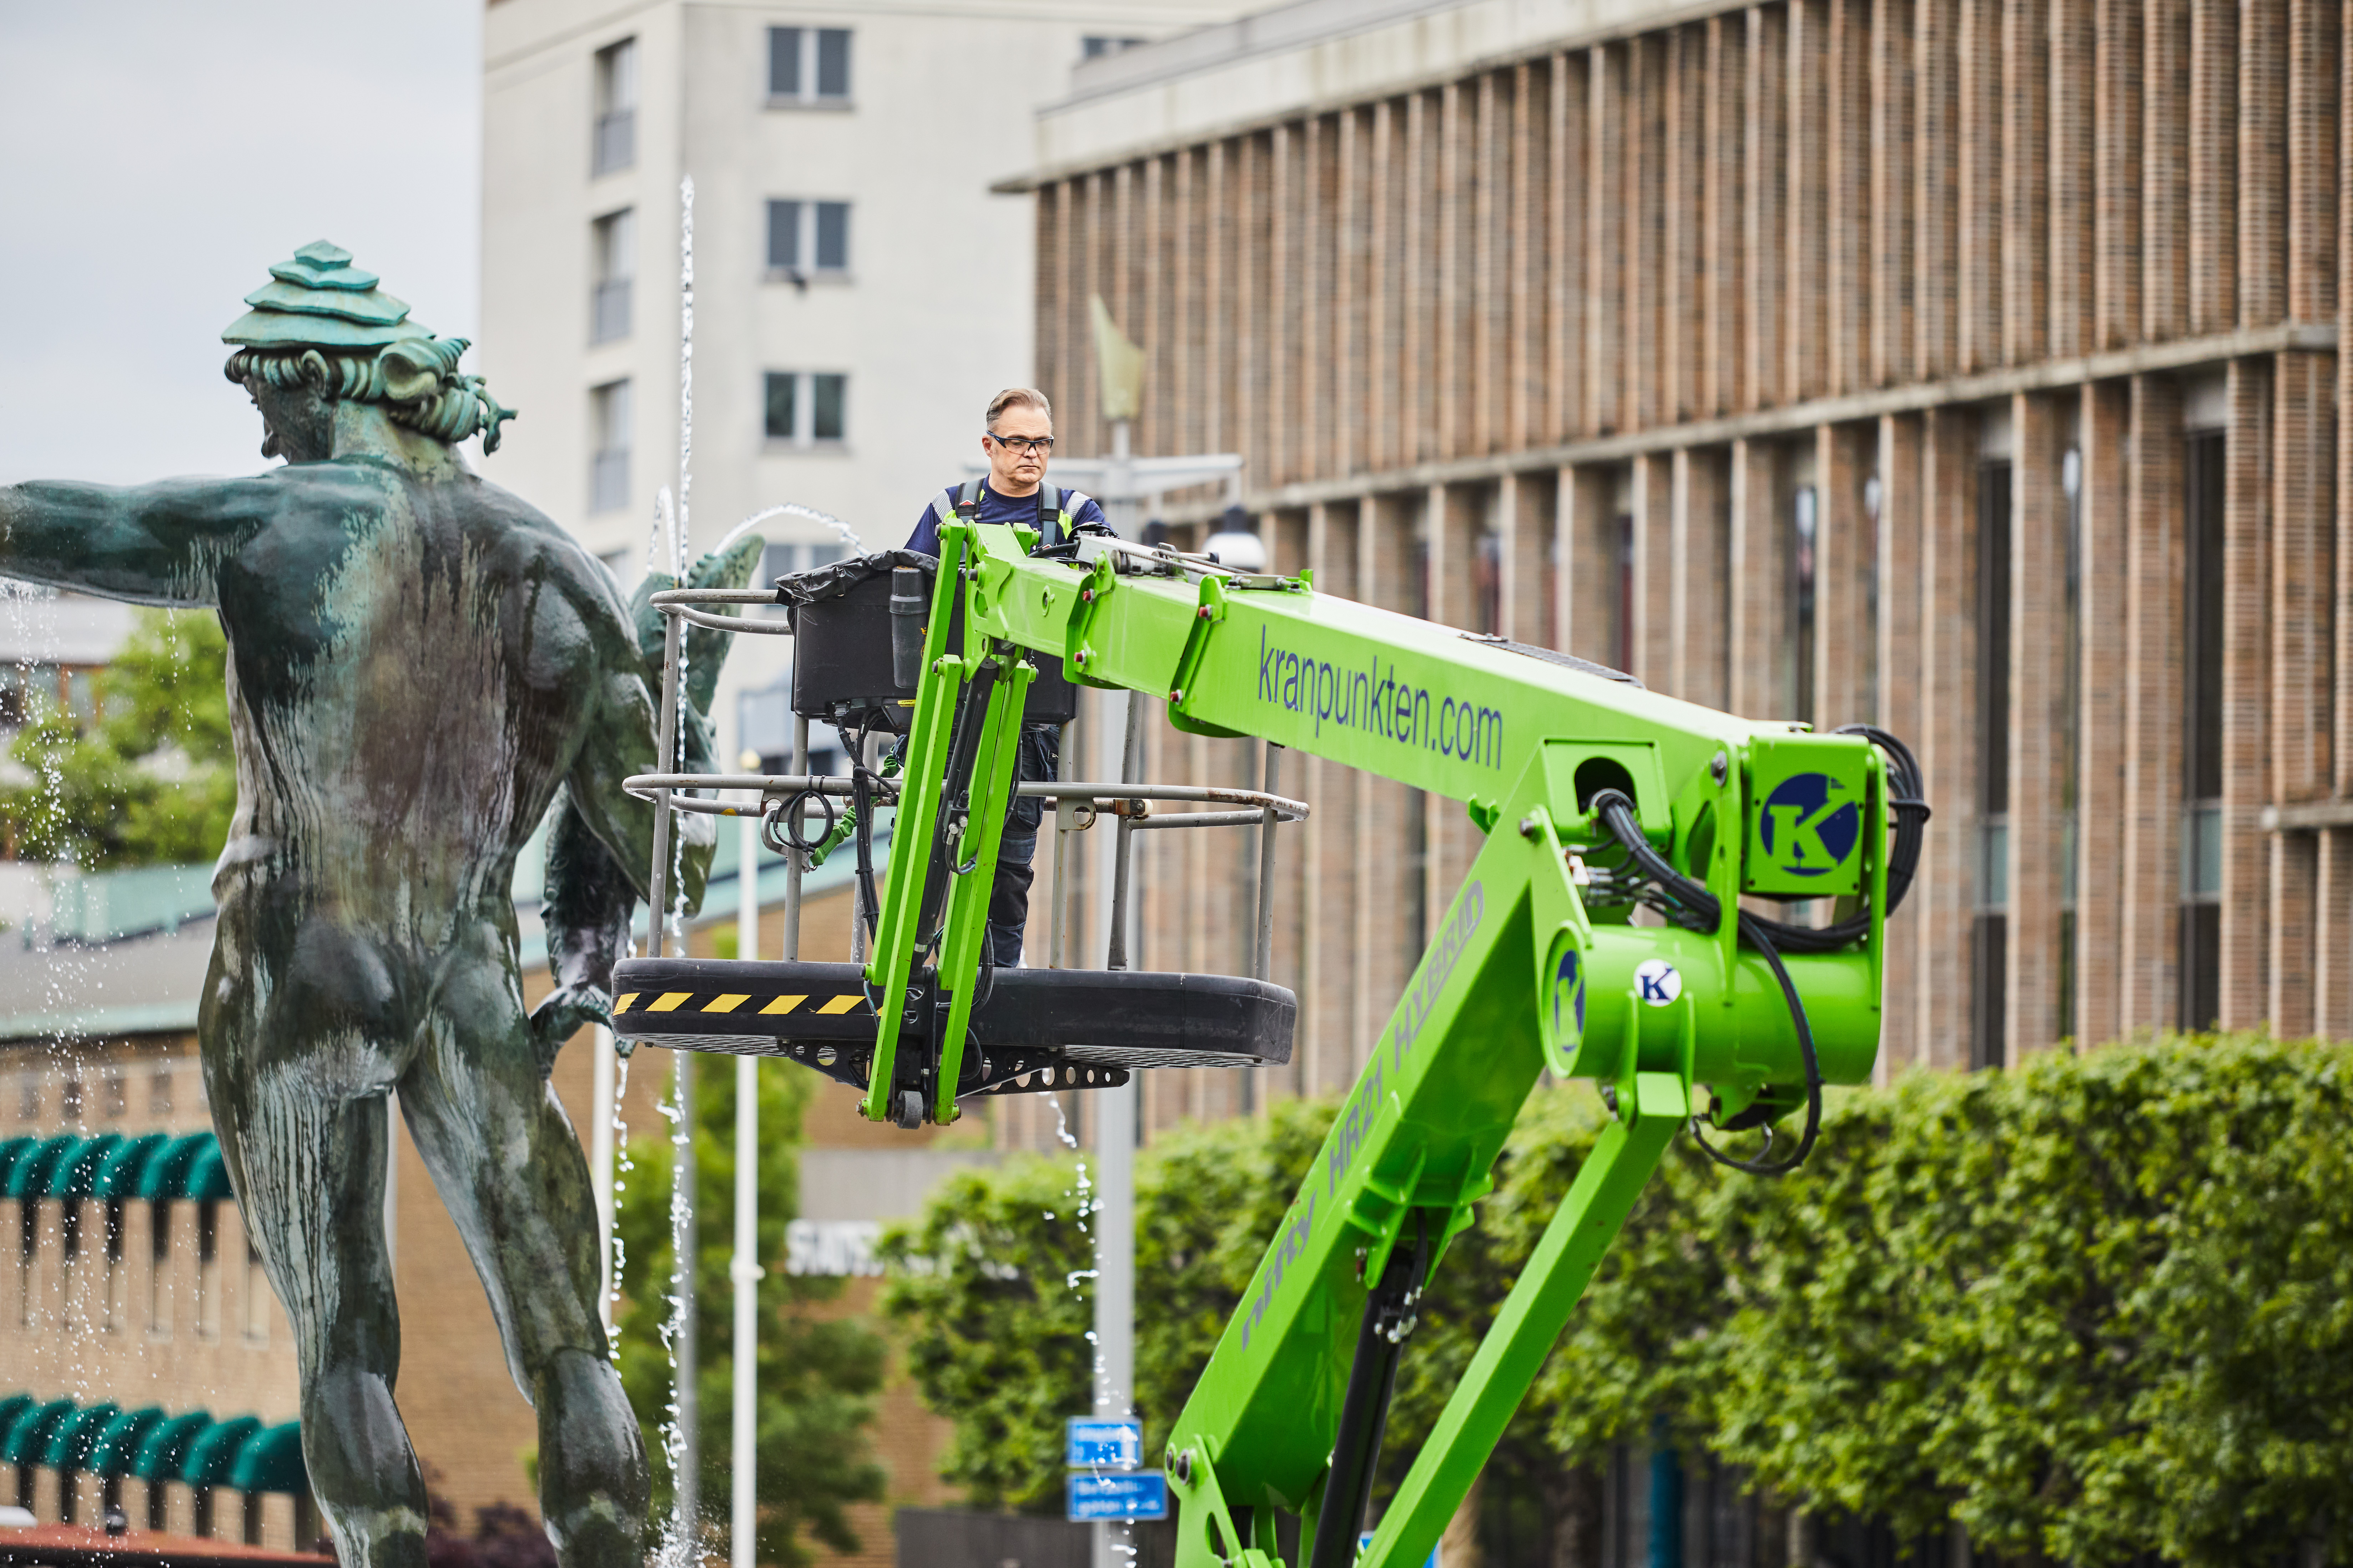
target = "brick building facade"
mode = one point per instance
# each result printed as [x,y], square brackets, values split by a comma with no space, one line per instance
[1965,367]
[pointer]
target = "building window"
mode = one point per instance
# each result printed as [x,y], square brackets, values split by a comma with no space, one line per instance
[613,249]
[1095,48]
[118,1303]
[805,408]
[1989,958]
[609,464]
[808,65]
[2071,732]
[159,1092]
[809,237]
[70,1109]
[208,1275]
[159,1267]
[2201,734]
[28,1097]
[1805,519]
[115,1096]
[616,108]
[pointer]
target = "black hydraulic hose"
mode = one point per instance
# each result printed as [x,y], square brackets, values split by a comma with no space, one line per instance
[1704,911]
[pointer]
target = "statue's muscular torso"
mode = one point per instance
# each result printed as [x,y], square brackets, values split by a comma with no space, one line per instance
[415,664]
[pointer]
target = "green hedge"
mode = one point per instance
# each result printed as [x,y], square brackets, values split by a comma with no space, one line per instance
[2097,1306]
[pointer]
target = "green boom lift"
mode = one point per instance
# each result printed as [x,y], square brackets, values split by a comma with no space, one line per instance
[1608,930]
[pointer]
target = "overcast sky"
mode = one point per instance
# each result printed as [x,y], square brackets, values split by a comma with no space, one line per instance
[157,155]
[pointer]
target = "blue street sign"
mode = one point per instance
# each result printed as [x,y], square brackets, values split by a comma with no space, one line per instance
[1364,1538]
[1100,1445]
[1133,1494]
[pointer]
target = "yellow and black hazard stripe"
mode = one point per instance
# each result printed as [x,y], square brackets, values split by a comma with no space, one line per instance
[641,1004]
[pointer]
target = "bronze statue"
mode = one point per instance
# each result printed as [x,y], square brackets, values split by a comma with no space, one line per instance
[420,666]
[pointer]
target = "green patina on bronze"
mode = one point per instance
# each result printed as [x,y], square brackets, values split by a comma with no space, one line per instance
[422,669]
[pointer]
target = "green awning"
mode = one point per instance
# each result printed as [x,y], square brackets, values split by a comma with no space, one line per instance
[212,1457]
[167,1167]
[207,1177]
[166,1444]
[12,1407]
[71,1176]
[70,1444]
[271,1461]
[30,1177]
[11,1151]
[116,1448]
[28,1439]
[118,1174]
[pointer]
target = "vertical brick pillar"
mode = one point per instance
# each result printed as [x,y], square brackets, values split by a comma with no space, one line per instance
[1943,897]
[2246,697]
[1603,284]
[2119,54]
[2037,567]
[1764,187]
[1328,961]
[2072,94]
[1588,551]
[1525,330]
[1697,594]
[1979,300]
[1894,186]
[2333,897]
[1845,543]
[1387,914]
[2302,526]
[2103,611]
[2025,181]
[1938,152]
[2149,935]
[1847,133]
[2213,152]
[1642,215]
[1805,301]
[1653,570]
[1525,518]
[1900,704]
[2164,259]
[1455,403]
[2316,60]
[1723,260]
[2260,231]
[1683,316]
[1454,517]
[1567,172]
[1753,565]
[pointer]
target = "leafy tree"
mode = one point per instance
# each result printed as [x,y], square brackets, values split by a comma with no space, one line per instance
[2092,1308]
[818,1371]
[991,1285]
[152,782]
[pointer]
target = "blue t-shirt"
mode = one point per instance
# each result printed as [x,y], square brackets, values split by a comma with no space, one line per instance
[1006,510]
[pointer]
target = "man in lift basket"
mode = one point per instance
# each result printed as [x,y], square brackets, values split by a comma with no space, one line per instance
[1018,440]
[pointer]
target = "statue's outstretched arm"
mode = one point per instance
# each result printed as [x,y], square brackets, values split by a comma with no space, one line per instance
[153,544]
[586,907]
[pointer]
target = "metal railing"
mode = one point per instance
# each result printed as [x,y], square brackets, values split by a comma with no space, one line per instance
[1078,804]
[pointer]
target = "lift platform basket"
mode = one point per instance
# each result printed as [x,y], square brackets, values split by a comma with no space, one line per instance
[846,670]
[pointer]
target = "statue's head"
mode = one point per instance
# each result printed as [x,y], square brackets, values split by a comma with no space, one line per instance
[320,333]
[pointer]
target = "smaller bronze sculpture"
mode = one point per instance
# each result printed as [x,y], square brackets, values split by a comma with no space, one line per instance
[421,666]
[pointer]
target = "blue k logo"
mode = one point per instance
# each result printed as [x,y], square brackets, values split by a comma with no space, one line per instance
[1810,825]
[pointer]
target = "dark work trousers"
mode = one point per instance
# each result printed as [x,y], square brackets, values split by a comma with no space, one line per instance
[1039,762]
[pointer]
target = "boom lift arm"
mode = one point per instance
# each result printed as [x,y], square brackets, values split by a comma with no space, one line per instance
[1597,799]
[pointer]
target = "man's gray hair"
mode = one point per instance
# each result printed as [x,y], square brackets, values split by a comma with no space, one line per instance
[1017,397]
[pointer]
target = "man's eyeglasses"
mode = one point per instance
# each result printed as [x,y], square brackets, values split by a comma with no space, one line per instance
[1024,446]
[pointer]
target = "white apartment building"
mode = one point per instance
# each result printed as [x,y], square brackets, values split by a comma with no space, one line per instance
[859,291]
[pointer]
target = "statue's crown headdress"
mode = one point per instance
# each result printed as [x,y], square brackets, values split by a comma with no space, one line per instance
[320,300]
[360,344]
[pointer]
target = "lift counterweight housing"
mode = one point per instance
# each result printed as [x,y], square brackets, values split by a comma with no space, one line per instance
[1600,931]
